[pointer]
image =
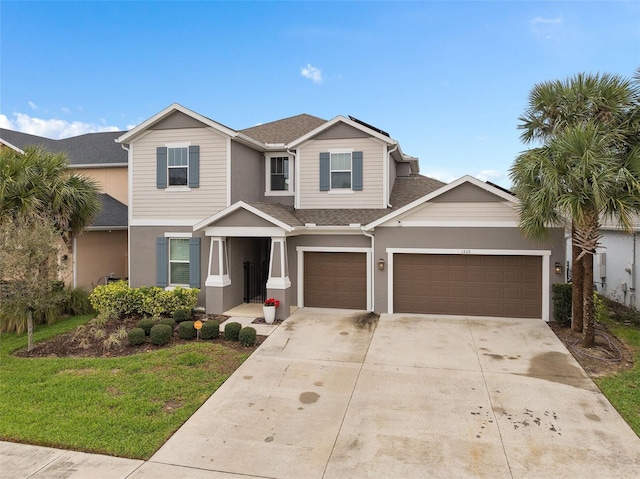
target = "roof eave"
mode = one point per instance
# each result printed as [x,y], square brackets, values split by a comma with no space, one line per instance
[347,121]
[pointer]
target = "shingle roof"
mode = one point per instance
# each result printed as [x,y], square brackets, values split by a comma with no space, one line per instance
[112,214]
[87,149]
[405,190]
[285,130]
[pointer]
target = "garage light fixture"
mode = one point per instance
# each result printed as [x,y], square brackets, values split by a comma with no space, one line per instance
[558,268]
[381,264]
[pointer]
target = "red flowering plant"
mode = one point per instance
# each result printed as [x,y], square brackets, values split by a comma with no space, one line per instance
[272,302]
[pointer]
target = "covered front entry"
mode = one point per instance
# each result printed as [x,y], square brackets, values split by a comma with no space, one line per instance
[474,285]
[335,280]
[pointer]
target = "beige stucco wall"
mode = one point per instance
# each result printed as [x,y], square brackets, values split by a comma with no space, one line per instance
[374,158]
[112,181]
[98,254]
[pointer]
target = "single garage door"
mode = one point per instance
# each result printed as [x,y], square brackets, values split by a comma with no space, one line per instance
[335,280]
[474,285]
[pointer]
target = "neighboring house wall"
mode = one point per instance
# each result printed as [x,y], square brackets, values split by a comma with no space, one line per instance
[617,261]
[112,181]
[374,159]
[102,254]
[148,202]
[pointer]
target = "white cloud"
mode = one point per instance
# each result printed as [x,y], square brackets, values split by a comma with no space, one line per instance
[65,110]
[444,176]
[33,105]
[312,73]
[490,175]
[545,28]
[51,128]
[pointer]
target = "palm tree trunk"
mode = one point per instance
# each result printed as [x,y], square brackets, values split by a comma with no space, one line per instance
[29,330]
[577,278]
[589,338]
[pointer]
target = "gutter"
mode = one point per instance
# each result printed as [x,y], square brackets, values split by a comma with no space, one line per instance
[386,180]
[373,269]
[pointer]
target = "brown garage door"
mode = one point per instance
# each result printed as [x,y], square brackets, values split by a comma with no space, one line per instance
[335,280]
[506,286]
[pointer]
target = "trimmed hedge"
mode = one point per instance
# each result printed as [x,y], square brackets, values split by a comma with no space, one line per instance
[561,293]
[161,334]
[136,336]
[146,324]
[182,314]
[122,300]
[168,321]
[247,336]
[232,331]
[186,330]
[210,330]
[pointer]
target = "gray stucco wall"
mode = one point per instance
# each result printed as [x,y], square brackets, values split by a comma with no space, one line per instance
[247,173]
[356,241]
[142,255]
[459,238]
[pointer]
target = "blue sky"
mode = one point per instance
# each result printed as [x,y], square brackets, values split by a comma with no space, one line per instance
[447,79]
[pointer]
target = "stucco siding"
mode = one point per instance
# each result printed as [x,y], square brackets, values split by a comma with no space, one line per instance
[617,267]
[247,174]
[371,196]
[100,254]
[112,181]
[149,202]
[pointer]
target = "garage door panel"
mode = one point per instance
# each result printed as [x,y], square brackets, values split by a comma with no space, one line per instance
[478,285]
[335,280]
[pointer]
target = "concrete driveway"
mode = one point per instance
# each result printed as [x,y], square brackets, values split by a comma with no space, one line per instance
[332,394]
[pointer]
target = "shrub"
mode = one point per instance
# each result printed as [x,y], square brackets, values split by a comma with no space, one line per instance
[210,329]
[136,336]
[161,334]
[232,331]
[247,336]
[146,324]
[168,321]
[182,314]
[562,303]
[76,302]
[186,330]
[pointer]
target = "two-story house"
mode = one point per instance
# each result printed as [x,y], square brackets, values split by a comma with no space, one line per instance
[100,252]
[321,213]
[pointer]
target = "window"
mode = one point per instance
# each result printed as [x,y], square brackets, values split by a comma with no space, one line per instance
[280,173]
[340,170]
[178,165]
[179,261]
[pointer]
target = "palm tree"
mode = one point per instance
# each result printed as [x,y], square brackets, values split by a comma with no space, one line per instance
[39,183]
[585,169]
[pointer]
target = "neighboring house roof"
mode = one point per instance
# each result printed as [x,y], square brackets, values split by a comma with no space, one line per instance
[90,149]
[614,225]
[285,130]
[113,214]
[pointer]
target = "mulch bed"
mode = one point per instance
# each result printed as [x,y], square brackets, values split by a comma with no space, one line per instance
[84,343]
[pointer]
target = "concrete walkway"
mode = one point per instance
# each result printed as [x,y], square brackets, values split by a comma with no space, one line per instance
[333,395]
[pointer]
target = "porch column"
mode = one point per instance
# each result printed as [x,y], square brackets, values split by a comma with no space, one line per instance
[279,284]
[217,276]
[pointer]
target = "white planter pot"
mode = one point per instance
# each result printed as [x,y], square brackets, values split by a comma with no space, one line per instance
[269,314]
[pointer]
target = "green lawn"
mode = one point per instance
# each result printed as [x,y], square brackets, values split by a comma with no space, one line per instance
[623,390]
[127,406]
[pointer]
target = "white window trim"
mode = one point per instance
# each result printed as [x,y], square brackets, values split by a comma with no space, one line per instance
[177,187]
[171,236]
[341,191]
[267,176]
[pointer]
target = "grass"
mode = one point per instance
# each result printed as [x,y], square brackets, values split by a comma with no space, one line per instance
[126,406]
[623,389]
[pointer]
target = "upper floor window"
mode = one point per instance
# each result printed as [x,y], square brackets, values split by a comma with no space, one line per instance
[178,165]
[279,174]
[340,170]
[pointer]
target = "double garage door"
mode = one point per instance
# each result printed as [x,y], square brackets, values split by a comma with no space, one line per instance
[474,285]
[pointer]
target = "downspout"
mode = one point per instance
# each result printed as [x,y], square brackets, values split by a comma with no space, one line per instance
[373,267]
[388,192]
[295,179]
[129,200]
[632,296]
